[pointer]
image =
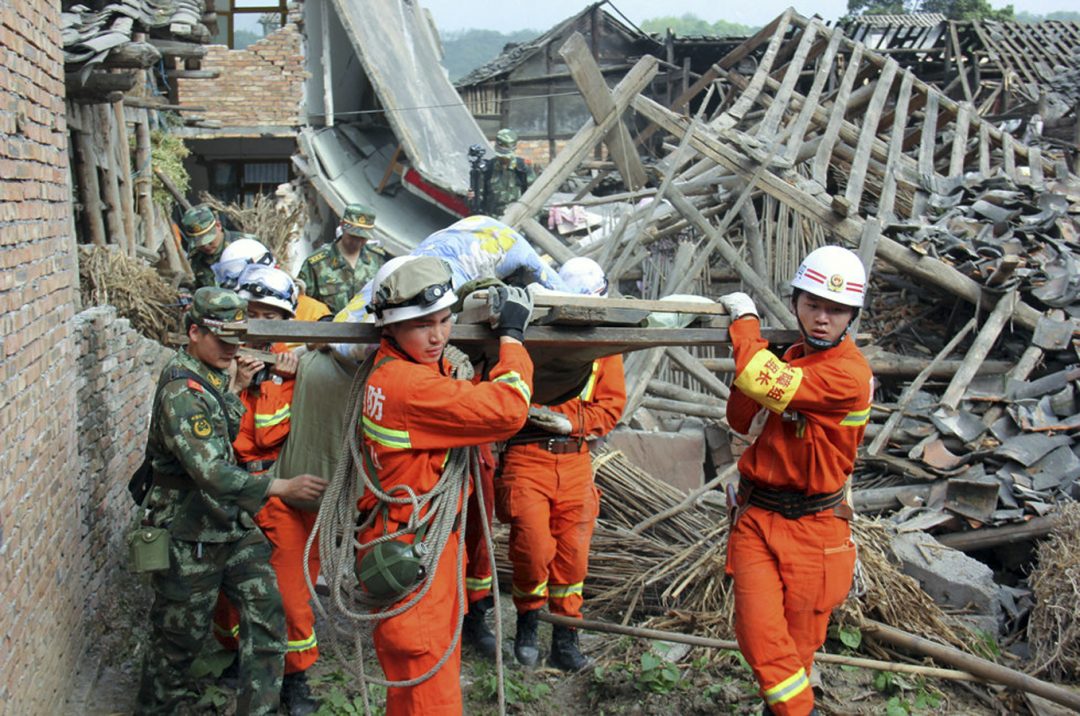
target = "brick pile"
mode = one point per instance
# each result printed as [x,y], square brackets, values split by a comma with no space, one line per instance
[41,608]
[262,84]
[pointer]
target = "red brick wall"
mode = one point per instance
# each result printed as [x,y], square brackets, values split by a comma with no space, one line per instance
[41,603]
[259,85]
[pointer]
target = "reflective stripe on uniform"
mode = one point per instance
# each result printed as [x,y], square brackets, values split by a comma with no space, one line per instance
[559,591]
[769,381]
[475,584]
[857,418]
[539,591]
[264,420]
[590,386]
[513,379]
[303,644]
[386,436]
[233,631]
[788,688]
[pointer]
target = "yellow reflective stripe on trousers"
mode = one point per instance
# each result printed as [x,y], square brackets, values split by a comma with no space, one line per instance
[788,688]
[386,436]
[558,591]
[769,381]
[233,632]
[539,591]
[513,379]
[474,584]
[590,386]
[303,644]
[264,420]
[856,418]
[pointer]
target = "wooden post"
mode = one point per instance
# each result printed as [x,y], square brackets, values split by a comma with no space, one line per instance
[144,179]
[975,355]
[127,199]
[327,78]
[114,216]
[86,166]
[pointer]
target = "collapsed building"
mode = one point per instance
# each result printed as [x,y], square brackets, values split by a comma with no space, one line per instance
[793,138]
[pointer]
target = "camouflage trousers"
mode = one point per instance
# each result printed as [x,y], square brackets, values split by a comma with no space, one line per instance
[181,622]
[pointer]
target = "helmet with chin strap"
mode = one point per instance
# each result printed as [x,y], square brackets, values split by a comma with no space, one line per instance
[835,274]
[269,286]
[409,287]
[236,257]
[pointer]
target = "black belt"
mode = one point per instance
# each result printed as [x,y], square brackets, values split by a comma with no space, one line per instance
[258,465]
[792,505]
[557,445]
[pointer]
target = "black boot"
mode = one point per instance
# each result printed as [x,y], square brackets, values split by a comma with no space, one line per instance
[474,628]
[565,654]
[526,647]
[766,711]
[296,696]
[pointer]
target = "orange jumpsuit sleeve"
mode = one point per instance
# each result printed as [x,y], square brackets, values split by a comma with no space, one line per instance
[444,413]
[764,378]
[598,408]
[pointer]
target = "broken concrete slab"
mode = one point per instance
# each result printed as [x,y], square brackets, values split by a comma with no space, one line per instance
[676,458]
[951,577]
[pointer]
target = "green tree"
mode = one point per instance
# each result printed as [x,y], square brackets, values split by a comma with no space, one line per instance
[952,9]
[1063,15]
[465,50]
[688,24]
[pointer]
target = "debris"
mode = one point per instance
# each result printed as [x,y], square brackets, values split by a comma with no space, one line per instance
[1054,629]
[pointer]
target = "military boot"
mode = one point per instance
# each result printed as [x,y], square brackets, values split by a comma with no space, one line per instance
[766,711]
[474,628]
[565,654]
[296,695]
[526,646]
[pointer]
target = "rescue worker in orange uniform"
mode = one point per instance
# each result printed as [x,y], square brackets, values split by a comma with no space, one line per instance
[547,496]
[272,295]
[790,549]
[414,412]
[474,629]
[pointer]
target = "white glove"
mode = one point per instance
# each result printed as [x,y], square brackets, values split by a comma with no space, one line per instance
[738,304]
[550,421]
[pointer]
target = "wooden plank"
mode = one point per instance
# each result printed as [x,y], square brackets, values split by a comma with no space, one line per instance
[1035,165]
[984,149]
[960,140]
[86,170]
[1008,157]
[597,96]
[810,104]
[127,198]
[958,55]
[775,113]
[887,201]
[114,214]
[927,142]
[581,144]
[746,100]
[988,334]
[545,240]
[857,176]
[824,152]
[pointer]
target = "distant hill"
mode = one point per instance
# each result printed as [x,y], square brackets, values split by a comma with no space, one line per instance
[465,50]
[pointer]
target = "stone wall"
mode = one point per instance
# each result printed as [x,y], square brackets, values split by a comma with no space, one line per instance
[117,374]
[41,609]
[262,84]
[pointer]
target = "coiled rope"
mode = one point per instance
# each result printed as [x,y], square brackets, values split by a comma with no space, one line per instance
[337,527]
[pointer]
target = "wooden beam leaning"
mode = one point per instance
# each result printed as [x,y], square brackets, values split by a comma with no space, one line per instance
[581,144]
[849,228]
[594,90]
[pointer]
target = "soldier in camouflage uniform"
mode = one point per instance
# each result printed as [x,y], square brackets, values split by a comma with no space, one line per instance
[506,177]
[337,272]
[206,502]
[206,240]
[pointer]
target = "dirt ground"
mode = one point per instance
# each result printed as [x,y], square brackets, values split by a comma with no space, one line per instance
[630,677]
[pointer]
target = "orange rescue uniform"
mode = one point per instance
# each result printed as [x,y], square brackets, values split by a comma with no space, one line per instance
[478,564]
[550,500]
[413,414]
[791,573]
[263,430]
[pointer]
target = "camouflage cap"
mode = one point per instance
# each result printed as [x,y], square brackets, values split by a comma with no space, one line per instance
[505,142]
[357,219]
[213,307]
[198,224]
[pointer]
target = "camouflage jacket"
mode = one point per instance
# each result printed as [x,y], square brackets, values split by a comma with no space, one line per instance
[201,262]
[504,183]
[328,277]
[199,493]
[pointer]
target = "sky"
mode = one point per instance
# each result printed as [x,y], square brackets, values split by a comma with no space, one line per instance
[509,16]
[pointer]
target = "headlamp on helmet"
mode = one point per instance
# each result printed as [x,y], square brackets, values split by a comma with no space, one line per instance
[409,287]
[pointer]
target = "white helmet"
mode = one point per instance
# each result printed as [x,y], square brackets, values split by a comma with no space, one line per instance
[410,287]
[833,273]
[583,275]
[270,286]
[238,255]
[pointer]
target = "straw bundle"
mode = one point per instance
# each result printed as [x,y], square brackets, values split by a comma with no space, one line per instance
[1054,627]
[276,224]
[139,293]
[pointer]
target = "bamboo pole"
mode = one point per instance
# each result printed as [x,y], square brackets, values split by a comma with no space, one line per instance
[693,640]
[144,181]
[127,199]
[114,216]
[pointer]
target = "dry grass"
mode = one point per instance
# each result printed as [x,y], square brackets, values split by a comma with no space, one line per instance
[1054,627]
[276,224]
[109,276]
